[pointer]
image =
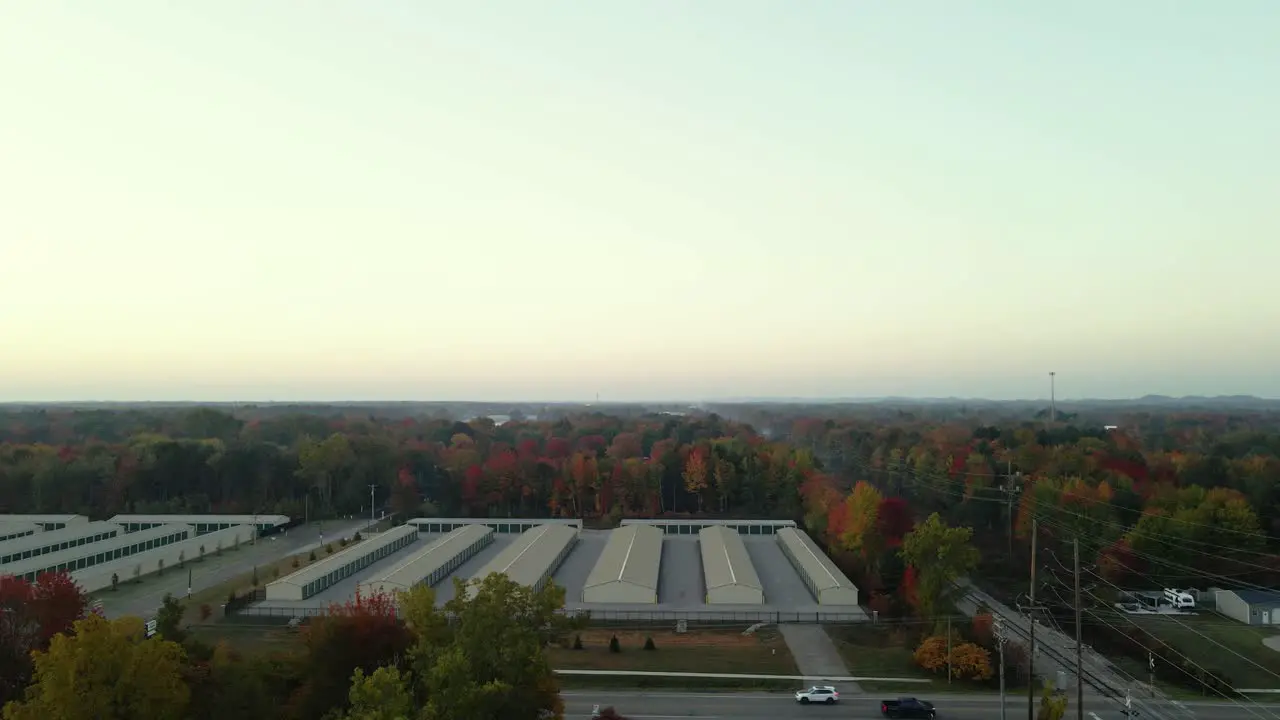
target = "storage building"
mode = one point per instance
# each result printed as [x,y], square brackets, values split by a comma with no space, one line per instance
[47,522]
[828,585]
[501,527]
[341,565]
[533,558]
[80,557]
[14,530]
[693,527]
[203,524]
[731,579]
[52,541]
[168,549]
[627,571]
[434,562]
[1251,607]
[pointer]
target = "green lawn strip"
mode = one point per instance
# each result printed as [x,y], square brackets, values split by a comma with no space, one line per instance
[632,682]
[698,651]
[1187,635]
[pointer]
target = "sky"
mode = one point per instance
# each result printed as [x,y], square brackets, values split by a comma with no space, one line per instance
[509,200]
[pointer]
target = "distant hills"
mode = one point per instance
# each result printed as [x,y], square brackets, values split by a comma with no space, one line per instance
[1242,402]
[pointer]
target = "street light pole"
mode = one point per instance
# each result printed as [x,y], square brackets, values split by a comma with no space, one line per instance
[372,488]
[1000,640]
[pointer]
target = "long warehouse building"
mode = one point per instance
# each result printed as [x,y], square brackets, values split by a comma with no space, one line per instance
[628,568]
[52,541]
[14,530]
[47,522]
[533,558]
[203,524]
[730,577]
[99,553]
[168,550]
[341,565]
[433,563]
[828,585]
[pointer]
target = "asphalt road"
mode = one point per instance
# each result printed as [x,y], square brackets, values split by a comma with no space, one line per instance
[142,599]
[777,706]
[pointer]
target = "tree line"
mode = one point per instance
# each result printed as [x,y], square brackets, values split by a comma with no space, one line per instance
[209,461]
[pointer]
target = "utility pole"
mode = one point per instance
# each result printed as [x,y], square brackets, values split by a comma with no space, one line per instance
[998,629]
[1075,551]
[372,488]
[1151,673]
[1053,398]
[1010,490]
[1031,649]
[948,649]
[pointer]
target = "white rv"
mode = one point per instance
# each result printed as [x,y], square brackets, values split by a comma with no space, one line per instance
[1180,599]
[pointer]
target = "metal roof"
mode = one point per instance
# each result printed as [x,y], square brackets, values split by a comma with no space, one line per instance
[433,557]
[1258,597]
[13,530]
[51,538]
[527,559]
[725,560]
[345,557]
[263,519]
[708,523]
[71,555]
[43,518]
[824,573]
[632,555]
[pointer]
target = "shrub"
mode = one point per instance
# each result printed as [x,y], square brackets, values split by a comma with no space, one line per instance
[577,642]
[648,644]
[312,558]
[295,563]
[356,538]
[206,612]
[342,542]
[971,662]
[329,548]
[932,654]
[614,645]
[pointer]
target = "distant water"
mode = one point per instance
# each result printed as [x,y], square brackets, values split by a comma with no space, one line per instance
[502,419]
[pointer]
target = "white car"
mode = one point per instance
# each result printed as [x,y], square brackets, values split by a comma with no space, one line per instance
[818,694]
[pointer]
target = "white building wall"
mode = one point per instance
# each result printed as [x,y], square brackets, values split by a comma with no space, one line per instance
[619,592]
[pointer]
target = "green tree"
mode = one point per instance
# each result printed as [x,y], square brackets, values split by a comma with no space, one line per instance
[169,619]
[1053,704]
[940,555]
[384,695]
[106,671]
[475,678]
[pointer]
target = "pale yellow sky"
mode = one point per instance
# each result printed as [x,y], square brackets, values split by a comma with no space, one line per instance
[427,200]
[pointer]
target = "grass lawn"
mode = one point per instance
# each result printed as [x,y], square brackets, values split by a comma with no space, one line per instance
[884,651]
[248,639]
[1187,634]
[699,650]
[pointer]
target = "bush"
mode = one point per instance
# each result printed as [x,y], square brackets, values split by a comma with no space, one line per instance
[329,548]
[356,538]
[648,644]
[295,563]
[968,661]
[342,542]
[312,558]
[577,642]
[206,612]
[614,645]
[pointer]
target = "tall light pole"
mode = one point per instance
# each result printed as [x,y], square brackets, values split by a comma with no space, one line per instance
[372,488]
[1053,398]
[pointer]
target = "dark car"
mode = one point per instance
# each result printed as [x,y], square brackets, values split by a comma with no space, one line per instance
[908,708]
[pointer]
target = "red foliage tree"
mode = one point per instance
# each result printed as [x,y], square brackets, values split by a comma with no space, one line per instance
[361,633]
[894,520]
[592,444]
[30,615]
[471,487]
[558,448]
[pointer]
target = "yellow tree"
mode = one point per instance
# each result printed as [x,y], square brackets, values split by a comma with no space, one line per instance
[106,670]
[695,475]
[861,534]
